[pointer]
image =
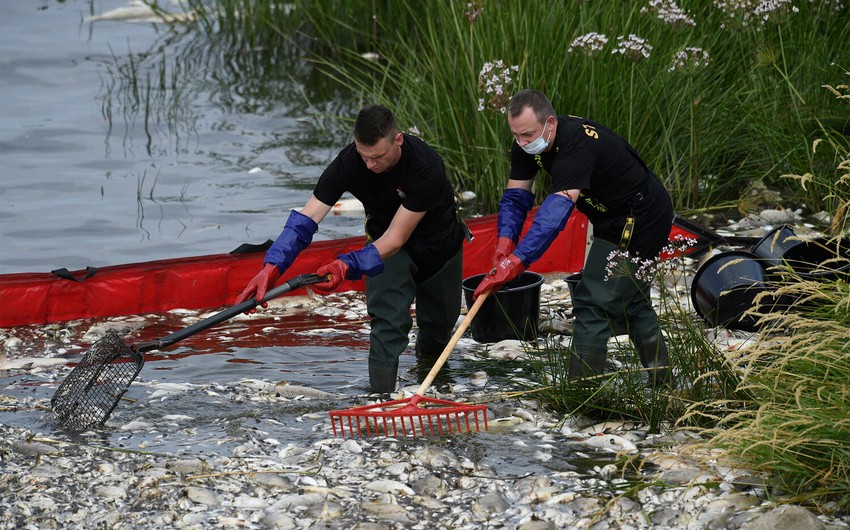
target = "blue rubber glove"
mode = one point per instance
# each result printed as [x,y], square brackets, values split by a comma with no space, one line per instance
[351,266]
[366,261]
[297,235]
[549,220]
[513,209]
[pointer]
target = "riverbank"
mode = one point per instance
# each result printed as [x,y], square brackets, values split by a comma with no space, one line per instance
[250,453]
[57,481]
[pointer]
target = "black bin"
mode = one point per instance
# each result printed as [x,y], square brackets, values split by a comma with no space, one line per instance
[513,313]
[822,258]
[726,286]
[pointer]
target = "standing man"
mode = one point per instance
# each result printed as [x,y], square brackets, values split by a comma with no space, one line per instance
[414,241]
[597,171]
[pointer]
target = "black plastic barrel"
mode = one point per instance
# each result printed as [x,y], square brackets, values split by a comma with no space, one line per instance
[725,287]
[513,313]
[813,259]
[820,259]
[771,248]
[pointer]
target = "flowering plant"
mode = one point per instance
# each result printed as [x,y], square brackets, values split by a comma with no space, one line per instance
[494,80]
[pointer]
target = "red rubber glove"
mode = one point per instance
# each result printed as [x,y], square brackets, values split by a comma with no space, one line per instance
[504,247]
[262,282]
[507,270]
[335,272]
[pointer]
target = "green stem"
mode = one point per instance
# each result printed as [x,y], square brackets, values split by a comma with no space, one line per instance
[631,99]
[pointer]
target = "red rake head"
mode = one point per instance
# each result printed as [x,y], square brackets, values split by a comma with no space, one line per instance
[400,417]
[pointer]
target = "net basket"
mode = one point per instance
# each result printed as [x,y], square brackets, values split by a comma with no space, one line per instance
[93,388]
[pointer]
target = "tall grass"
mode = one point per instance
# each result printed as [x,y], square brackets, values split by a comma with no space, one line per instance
[708,124]
[623,393]
[792,416]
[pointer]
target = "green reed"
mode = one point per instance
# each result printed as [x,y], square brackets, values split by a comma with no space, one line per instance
[789,416]
[700,372]
[707,127]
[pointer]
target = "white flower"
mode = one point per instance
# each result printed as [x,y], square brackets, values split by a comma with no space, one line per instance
[689,59]
[633,47]
[494,80]
[590,43]
[669,12]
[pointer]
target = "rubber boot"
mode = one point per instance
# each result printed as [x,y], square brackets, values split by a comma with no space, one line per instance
[585,364]
[427,348]
[382,378]
[427,353]
[652,352]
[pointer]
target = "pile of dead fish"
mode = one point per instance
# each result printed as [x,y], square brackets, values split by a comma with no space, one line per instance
[380,483]
[528,471]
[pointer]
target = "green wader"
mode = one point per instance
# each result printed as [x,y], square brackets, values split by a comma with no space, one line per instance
[389,296]
[599,303]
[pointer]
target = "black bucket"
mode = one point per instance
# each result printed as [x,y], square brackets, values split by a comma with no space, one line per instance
[572,281]
[813,259]
[725,287]
[821,259]
[513,313]
[771,248]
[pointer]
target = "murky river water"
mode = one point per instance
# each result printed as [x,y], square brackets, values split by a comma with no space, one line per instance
[118,144]
[95,174]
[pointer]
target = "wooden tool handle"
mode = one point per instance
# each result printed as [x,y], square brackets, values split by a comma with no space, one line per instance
[452,343]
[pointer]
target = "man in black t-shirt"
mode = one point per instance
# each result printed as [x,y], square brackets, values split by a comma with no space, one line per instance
[598,172]
[414,249]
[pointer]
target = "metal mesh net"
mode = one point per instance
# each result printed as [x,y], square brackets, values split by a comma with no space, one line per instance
[87,396]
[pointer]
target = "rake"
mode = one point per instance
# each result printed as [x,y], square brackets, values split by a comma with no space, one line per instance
[89,394]
[416,415]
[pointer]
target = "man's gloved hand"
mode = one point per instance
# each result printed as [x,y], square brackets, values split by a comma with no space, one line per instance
[261,283]
[335,271]
[504,247]
[351,266]
[507,270]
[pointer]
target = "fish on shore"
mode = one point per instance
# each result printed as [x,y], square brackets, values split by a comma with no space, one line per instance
[28,363]
[611,442]
[286,390]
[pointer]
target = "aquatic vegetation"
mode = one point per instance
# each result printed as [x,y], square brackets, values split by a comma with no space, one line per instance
[791,418]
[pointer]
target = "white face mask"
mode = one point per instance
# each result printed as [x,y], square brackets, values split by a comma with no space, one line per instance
[538,145]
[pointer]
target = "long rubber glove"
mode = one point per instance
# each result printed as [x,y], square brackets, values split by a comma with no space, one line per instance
[507,270]
[504,247]
[351,266]
[549,220]
[297,235]
[259,284]
[513,209]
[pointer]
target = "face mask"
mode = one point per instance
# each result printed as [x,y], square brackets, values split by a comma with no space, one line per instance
[538,145]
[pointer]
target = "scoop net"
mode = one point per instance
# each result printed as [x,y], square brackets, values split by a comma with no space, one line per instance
[415,416]
[93,388]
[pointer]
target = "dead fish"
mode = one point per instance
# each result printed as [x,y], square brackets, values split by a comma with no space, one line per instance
[611,442]
[29,363]
[140,11]
[289,391]
[163,390]
[390,486]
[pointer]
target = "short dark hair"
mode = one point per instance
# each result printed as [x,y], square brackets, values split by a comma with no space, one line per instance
[535,99]
[373,123]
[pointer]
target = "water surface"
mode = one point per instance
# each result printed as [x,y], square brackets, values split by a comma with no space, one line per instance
[119,143]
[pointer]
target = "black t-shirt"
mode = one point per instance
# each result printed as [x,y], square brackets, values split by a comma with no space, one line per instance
[588,156]
[418,182]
